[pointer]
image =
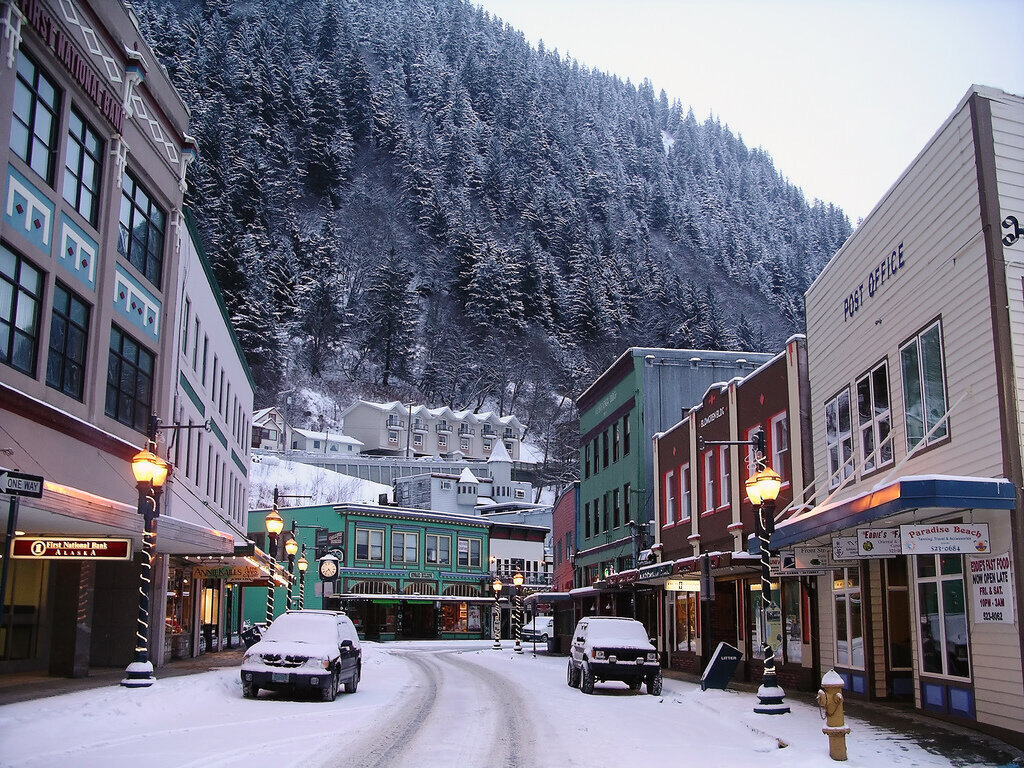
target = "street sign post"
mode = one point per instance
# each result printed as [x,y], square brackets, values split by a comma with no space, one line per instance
[15,484]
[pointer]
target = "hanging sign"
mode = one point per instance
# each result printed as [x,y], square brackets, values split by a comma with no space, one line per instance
[812,558]
[71,548]
[992,587]
[844,548]
[878,542]
[945,539]
[682,585]
[230,572]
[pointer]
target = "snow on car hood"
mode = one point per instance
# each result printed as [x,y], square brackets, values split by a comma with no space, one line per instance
[293,648]
[619,640]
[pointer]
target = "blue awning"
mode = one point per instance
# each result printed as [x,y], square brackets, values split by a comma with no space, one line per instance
[929,492]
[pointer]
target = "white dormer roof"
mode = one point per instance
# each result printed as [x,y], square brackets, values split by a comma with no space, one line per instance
[500,453]
[468,477]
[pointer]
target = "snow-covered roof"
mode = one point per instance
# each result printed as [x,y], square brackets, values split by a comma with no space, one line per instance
[500,453]
[468,477]
[328,437]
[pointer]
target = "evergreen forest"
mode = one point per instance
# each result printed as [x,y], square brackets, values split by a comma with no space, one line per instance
[404,199]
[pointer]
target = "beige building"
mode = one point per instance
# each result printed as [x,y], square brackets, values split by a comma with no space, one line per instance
[95,152]
[916,364]
[397,429]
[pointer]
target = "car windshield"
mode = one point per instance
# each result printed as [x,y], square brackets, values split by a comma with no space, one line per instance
[295,627]
[612,630]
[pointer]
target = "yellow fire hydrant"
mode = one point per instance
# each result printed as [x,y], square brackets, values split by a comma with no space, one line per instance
[830,701]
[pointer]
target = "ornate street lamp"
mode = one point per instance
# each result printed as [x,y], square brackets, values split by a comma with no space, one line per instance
[303,565]
[150,475]
[517,582]
[274,525]
[496,614]
[762,490]
[292,548]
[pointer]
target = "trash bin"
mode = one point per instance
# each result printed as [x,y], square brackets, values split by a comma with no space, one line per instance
[553,644]
[251,635]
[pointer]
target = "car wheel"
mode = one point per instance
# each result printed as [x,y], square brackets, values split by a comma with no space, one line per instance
[330,691]
[654,684]
[353,685]
[250,691]
[587,680]
[572,676]
[544,638]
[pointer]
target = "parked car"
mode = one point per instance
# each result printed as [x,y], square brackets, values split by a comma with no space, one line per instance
[304,651]
[539,629]
[612,648]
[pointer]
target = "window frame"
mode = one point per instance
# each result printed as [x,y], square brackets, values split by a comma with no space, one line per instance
[399,554]
[469,551]
[847,591]
[671,499]
[371,533]
[708,486]
[95,188]
[141,408]
[437,537]
[938,580]
[724,477]
[778,457]
[843,469]
[873,461]
[66,317]
[14,326]
[148,261]
[915,341]
[47,146]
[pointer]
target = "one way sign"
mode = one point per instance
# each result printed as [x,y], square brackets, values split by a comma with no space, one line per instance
[20,484]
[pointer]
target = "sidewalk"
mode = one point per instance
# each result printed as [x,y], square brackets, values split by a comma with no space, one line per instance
[961,745]
[25,687]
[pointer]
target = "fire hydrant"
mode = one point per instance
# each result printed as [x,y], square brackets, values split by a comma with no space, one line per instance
[830,701]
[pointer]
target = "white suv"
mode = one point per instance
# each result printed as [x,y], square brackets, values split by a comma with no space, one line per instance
[613,648]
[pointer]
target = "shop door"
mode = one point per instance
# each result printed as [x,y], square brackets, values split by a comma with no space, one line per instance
[898,653]
[724,625]
[419,621]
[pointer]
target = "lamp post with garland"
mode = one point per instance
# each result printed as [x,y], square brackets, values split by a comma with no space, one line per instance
[150,473]
[303,565]
[496,614]
[291,547]
[274,524]
[762,490]
[517,608]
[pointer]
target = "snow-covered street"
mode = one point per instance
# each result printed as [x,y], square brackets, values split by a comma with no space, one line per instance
[427,704]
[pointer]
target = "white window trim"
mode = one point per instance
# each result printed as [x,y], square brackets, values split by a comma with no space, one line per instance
[938,579]
[709,482]
[778,462]
[684,493]
[844,469]
[670,501]
[724,476]
[369,544]
[926,430]
[847,591]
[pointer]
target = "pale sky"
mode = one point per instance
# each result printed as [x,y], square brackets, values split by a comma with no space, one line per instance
[842,94]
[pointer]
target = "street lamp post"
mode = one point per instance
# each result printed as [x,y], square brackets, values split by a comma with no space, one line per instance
[496,615]
[274,525]
[292,548]
[762,490]
[150,475]
[517,583]
[303,565]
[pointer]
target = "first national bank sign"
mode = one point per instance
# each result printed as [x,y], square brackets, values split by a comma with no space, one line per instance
[70,548]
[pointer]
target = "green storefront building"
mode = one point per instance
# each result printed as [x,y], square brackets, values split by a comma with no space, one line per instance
[402,573]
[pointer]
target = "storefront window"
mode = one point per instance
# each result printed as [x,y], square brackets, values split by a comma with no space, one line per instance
[792,628]
[455,617]
[756,620]
[846,603]
[178,621]
[943,616]
[686,620]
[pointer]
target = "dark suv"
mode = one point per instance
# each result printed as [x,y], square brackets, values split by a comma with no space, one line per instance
[305,651]
[613,648]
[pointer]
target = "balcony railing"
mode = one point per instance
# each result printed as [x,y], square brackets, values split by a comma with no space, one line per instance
[489,432]
[394,421]
[509,433]
[443,428]
[465,430]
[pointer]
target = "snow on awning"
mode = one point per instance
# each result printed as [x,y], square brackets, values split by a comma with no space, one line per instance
[922,492]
